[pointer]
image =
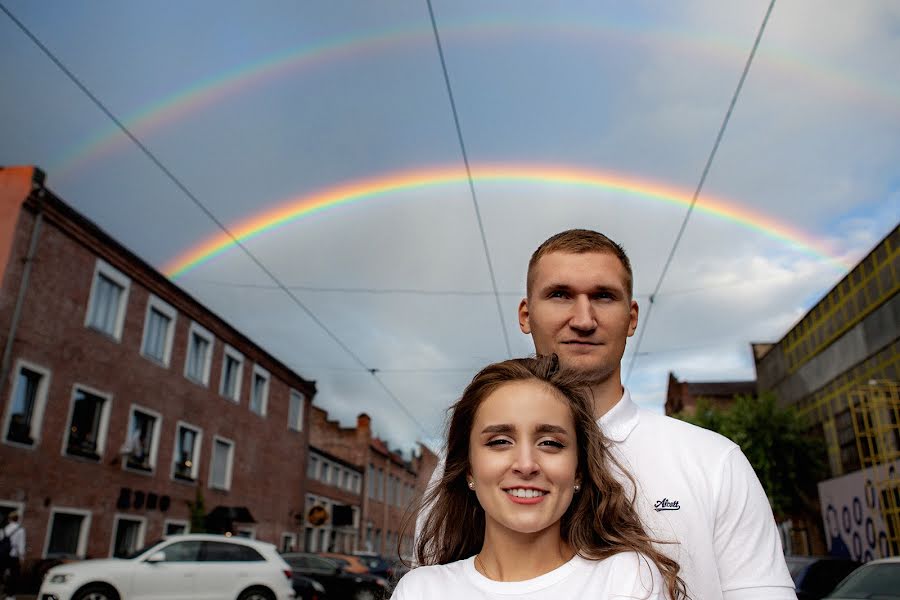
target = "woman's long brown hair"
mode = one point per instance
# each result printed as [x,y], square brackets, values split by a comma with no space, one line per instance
[600,522]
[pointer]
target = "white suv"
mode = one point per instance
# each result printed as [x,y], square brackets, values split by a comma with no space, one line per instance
[180,567]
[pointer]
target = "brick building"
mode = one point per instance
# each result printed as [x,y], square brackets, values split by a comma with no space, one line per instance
[682,396]
[390,487]
[123,399]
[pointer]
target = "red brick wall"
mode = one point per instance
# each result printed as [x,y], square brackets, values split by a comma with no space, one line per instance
[269,464]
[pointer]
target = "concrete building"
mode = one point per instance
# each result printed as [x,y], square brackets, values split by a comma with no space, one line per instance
[839,366]
[123,399]
[682,396]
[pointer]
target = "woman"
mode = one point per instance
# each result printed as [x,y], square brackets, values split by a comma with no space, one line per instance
[528,506]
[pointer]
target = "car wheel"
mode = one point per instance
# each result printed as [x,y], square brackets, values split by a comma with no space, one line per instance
[364,594]
[256,593]
[96,591]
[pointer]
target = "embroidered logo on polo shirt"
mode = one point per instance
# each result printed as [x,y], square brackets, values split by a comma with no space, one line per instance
[666,504]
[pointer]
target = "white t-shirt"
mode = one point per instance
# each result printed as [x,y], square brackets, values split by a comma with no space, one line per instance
[625,575]
[696,488]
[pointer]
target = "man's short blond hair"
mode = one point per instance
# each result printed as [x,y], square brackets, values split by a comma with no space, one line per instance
[580,241]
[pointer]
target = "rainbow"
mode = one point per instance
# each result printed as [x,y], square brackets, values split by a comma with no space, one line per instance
[201,94]
[378,187]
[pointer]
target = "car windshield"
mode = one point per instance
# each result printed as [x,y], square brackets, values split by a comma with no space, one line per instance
[872,582]
[140,551]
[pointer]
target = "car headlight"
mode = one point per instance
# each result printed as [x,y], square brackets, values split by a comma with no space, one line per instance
[60,577]
[318,586]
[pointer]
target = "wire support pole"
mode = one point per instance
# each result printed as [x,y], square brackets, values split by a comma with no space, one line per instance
[209,214]
[465,157]
[700,183]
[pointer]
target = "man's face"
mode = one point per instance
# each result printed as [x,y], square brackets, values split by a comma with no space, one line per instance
[579,308]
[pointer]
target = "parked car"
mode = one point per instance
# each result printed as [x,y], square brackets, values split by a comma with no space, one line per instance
[349,562]
[181,566]
[875,580]
[377,565]
[815,576]
[338,582]
[307,588]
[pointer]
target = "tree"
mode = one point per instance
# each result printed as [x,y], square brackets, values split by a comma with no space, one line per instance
[198,513]
[787,459]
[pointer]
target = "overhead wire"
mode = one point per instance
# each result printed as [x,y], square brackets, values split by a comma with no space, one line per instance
[465,157]
[209,214]
[699,188]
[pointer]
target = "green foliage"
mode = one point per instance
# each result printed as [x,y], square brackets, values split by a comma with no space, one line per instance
[787,459]
[198,513]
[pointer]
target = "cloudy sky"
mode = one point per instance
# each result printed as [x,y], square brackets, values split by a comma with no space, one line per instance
[577,114]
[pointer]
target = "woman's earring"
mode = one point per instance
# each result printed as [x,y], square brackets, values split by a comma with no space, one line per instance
[577,487]
[471,485]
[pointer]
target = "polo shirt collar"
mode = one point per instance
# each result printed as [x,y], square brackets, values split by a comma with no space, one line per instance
[618,423]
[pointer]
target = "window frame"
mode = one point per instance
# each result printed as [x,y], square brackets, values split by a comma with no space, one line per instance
[312,466]
[295,394]
[154,302]
[228,467]
[203,332]
[293,537]
[259,371]
[183,522]
[103,427]
[83,533]
[101,267]
[231,352]
[40,403]
[142,531]
[195,459]
[154,441]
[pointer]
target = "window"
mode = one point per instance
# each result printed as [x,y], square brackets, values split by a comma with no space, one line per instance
[86,435]
[159,328]
[260,393]
[371,481]
[109,297]
[220,473]
[188,551]
[312,471]
[355,483]
[232,374]
[186,459]
[326,472]
[142,441]
[379,489]
[67,533]
[226,552]
[295,411]
[128,535]
[27,402]
[174,527]
[288,542]
[345,478]
[199,354]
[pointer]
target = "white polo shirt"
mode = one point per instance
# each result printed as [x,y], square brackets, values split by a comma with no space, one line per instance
[696,488]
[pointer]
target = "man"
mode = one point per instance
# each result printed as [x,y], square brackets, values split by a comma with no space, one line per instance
[695,488]
[15,533]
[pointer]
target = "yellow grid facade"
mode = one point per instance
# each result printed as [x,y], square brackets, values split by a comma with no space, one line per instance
[862,291]
[875,409]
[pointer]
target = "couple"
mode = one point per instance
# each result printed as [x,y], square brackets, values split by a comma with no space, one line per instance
[534,500]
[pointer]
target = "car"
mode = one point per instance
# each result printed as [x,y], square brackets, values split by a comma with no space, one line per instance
[307,588]
[180,566]
[376,564]
[350,563]
[815,576]
[875,580]
[338,582]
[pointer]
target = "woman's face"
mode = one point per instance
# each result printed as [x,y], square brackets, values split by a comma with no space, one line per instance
[523,457]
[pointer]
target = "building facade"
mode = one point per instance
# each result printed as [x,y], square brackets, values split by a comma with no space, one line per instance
[390,486]
[839,366]
[128,409]
[682,396]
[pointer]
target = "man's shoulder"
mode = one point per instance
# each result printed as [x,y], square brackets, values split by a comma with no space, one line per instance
[683,435]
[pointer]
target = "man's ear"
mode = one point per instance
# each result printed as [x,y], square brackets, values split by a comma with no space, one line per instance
[633,323]
[523,316]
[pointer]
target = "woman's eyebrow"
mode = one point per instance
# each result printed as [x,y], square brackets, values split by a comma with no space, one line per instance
[547,428]
[501,428]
